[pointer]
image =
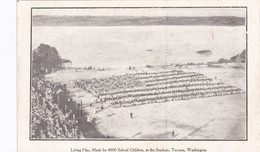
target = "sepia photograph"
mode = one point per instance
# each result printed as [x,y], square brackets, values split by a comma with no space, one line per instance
[138,73]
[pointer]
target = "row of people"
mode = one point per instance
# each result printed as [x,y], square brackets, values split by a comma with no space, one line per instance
[168,97]
[183,91]
[162,86]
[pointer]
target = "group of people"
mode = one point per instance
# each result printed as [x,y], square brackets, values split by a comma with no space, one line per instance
[48,120]
[143,88]
[98,87]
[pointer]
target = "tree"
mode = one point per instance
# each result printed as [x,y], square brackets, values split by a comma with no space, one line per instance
[46,58]
[222,60]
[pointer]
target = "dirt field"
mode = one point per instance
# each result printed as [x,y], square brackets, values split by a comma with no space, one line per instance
[221,117]
[207,118]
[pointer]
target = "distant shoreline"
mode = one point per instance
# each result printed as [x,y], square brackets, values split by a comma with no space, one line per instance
[44,20]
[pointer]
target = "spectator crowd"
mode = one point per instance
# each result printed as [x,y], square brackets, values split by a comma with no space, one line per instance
[48,119]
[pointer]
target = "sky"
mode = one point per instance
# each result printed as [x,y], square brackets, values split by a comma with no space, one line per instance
[238,12]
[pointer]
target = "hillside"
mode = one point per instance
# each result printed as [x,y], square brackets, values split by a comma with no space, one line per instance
[241,58]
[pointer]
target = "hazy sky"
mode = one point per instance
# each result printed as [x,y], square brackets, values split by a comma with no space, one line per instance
[238,12]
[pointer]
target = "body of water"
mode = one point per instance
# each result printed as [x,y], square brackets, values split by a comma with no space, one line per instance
[123,46]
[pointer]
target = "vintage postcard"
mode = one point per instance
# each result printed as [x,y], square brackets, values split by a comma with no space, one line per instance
[160,77]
